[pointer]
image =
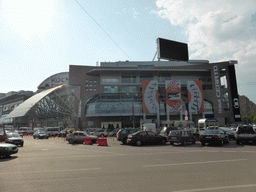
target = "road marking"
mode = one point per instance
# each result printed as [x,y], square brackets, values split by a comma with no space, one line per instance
[51,171]
[217,188]
[193,163]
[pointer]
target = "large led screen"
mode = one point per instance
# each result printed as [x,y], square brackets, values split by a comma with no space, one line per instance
[172,50]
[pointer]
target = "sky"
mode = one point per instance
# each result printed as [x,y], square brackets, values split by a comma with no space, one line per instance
[39,38]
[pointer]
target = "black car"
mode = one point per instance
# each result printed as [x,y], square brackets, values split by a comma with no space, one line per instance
[214,136]
[181,136]
[7,149]
[40,135]
[122,134]
[14,138]
[145,137]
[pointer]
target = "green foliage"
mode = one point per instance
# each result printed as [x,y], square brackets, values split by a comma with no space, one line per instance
[249,119]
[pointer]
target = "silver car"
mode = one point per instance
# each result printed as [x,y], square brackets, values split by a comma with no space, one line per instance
[78,137]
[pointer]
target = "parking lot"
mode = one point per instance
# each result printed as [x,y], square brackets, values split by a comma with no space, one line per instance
[54,165]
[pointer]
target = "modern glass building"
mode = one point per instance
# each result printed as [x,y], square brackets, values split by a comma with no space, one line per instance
[117,94]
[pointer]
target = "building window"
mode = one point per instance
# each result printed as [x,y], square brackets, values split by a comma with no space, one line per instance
[129,79]
[110,80]
[129,89]
[110,89]
[146,77]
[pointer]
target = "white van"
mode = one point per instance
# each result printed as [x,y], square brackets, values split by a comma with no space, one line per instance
[149,127]
[207,122]
[26,130]
[53,131]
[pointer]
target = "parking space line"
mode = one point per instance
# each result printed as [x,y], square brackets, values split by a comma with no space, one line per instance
[193,163]
[217,188]
[51,171]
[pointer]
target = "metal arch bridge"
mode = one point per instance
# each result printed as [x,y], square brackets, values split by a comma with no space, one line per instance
[55,102]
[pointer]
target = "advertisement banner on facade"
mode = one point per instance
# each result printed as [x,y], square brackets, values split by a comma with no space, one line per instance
[195,96]
[173,96]
[150,96]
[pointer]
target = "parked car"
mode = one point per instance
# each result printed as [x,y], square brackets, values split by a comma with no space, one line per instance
[89,131]
[20,132]
[231,134]
[40,135]
[213,136]
[181,136]
[62,133]
[78,137]
[122,134]
[14,138]
[113,133]
[7,149]
[145,137]
[166,130]
[245,133]
[100,132]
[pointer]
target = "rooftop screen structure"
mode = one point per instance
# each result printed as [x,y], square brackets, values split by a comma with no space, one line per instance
[172,50]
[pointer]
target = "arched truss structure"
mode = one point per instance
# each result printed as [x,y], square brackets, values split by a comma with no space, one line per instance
[57,102]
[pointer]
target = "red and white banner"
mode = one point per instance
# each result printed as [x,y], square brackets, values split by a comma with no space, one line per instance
[195,96]
[173,96]
[150,96]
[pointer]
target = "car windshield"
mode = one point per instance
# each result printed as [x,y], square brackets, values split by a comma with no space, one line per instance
[211,132]
[245,129]
[174,133]
[13,135]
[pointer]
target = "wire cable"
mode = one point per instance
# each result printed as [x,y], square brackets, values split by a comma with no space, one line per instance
[101,28]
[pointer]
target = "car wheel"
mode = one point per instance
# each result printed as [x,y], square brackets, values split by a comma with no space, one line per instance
[34,137]
[71,141]
[221,142]
[203,143]
[124,141]
[21,145]
[193,142]
[171,143]
[184,143]
[227,140]
[237,142]
[138,142]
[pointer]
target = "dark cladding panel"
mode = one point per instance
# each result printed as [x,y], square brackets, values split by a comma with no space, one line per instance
[234,93]
[172,50]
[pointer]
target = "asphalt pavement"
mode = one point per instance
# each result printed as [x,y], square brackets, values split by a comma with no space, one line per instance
[55,165]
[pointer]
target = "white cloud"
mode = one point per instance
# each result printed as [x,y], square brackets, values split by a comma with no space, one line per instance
[217,30]
[214,27]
